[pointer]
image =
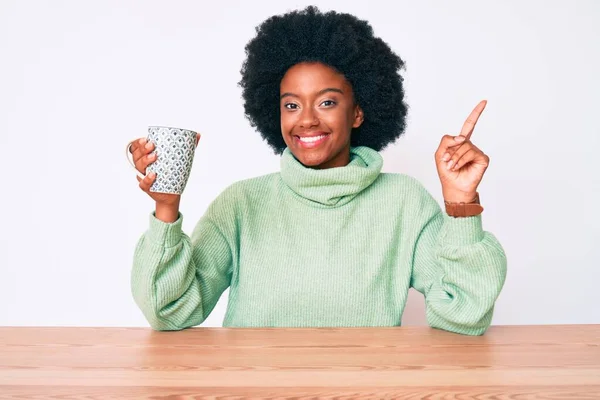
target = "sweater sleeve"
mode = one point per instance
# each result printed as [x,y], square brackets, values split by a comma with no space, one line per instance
[459,268]
[177,280]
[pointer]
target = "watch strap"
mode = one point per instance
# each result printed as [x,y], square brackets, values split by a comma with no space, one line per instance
[463,209]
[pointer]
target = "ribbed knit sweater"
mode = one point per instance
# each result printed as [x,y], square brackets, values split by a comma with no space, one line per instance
[338,247]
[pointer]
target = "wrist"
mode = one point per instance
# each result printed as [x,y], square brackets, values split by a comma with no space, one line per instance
[467,208]
[459,197]
[167,212]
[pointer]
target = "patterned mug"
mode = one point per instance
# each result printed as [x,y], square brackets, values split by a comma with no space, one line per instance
[174,149]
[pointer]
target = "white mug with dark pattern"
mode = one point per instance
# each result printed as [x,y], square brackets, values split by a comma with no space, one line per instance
[174,149]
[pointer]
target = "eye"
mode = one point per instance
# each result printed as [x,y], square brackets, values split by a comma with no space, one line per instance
[290,104]
[331,103]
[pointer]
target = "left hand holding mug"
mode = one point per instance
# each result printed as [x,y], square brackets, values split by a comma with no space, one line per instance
[460,164]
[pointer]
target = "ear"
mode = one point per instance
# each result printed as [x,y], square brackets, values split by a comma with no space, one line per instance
[359,117]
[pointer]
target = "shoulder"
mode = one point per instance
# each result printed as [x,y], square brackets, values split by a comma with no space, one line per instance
[409,191]
[403,184]
[243,192]
[250,188]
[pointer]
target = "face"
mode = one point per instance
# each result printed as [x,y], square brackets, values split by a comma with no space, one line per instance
[317,115]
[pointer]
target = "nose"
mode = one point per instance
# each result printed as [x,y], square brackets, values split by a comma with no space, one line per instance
[308,118]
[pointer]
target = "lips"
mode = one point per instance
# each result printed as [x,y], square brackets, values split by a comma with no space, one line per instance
[311,141]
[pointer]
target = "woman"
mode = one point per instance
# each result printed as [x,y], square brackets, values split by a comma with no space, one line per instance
[329,240]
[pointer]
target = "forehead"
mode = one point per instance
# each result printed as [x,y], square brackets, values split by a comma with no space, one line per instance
[312,77]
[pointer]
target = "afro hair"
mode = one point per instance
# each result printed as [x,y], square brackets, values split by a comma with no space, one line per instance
[338,40]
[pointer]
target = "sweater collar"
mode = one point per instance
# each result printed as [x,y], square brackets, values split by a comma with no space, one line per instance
[332,186]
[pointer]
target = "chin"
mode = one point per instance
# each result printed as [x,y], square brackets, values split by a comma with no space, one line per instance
[310,158]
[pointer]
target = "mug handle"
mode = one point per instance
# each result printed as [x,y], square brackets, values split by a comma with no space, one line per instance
[130,159]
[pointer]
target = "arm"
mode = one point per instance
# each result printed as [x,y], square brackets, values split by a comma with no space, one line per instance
[176,280]
[459,268]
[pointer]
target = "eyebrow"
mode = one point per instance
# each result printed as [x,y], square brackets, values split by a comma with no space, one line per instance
[336,90]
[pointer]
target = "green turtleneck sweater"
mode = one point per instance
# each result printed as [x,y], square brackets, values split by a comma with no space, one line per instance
[339,247]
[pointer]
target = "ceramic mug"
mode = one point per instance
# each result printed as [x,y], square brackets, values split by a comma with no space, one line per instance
[174,149]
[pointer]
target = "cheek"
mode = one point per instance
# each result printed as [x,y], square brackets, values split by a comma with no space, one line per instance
[336,119]
[287,122]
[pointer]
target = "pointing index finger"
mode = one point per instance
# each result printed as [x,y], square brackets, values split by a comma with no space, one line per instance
[469,125]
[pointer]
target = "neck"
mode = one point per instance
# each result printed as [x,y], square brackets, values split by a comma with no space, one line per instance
[332,186]
[341,159]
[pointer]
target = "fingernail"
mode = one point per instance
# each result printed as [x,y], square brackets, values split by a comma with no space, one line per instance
[449,165]
[149,145]
[151,174]
[142,141]
[459,138]
[446,157]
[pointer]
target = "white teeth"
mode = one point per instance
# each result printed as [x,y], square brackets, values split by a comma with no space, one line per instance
[311,139]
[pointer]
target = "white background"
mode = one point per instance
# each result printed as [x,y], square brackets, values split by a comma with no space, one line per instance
[78,80]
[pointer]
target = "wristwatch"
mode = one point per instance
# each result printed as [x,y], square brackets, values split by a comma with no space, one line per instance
[464,209]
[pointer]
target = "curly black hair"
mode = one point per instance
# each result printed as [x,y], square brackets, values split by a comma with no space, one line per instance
[339,40]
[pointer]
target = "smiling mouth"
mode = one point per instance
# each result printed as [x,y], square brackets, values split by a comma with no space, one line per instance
[309,142]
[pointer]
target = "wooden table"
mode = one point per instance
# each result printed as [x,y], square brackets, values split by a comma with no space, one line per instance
[401,363]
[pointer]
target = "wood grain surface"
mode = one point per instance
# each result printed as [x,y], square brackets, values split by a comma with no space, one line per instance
[508,362]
